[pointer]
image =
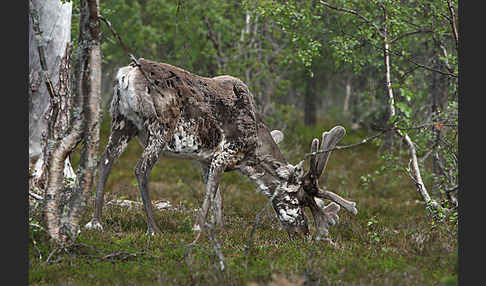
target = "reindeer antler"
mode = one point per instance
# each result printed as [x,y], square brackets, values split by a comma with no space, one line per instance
[324,217]
[328,142]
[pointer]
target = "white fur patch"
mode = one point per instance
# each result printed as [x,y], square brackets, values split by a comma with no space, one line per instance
[285,216]
[286,188]
[289,215]
[292,212]
[94,224]
[184,141]
[285,171]
[257,179]
[129,101]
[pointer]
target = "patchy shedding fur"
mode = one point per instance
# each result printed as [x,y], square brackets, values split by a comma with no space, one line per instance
[212,120]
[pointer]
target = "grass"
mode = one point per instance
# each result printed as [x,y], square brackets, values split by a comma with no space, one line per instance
[392,240]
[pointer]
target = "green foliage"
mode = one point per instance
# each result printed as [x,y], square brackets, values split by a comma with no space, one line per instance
[392,237]
[293,17]
[372,230]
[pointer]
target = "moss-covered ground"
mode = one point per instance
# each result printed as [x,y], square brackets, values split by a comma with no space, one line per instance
[392,240]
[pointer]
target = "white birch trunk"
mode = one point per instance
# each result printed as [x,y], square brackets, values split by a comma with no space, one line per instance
[347,96]
[63,210]
[414,168]
[55,24]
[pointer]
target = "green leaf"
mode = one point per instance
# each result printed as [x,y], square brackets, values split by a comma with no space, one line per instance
[404,108]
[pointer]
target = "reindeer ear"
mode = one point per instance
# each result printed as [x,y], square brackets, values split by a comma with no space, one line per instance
[277,136]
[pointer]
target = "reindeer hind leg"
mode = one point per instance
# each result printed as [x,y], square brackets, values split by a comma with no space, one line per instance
[150,156]
[122,131]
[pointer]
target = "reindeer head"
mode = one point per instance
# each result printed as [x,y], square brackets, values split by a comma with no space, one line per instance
[297,189]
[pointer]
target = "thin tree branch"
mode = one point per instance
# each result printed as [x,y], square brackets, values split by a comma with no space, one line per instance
[453,23]
[56,250]
[426,155]
[386,58]
[431,69]
[130,55]
[452,189]
[378,29]
[406,59]
[424,126]
[368,139]
[215,42]
[255,225]
[399,37]
[414,172]
[108,23]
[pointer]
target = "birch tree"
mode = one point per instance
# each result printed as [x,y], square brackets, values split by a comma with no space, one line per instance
[392,28]
[64,204]
[55,27]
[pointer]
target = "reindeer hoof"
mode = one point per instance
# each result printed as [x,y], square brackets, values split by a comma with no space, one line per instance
[196,227]
[331,243]
[150,232]
[94,224]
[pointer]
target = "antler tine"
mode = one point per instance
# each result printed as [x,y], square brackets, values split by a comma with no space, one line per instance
[348,205]
[313,159]
[329,141]
[324,217]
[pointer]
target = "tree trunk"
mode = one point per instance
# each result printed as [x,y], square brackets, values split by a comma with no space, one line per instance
[388,140]
[55,28]
[63,209]
[413,169]
[347,95]
[310,101]
[90,90]
[356,110]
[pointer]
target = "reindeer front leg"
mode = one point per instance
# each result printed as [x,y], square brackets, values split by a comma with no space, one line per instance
[212,183]
[220,161]
[217,207]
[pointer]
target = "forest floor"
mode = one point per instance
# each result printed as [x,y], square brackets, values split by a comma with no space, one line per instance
[392,240]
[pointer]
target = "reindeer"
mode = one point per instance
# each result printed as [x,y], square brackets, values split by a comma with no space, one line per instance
[214,121]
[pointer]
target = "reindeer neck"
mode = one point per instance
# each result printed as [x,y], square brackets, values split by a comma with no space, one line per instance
[264,167]
[266,144]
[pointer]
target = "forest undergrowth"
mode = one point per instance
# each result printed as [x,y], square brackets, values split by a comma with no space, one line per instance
[392,241]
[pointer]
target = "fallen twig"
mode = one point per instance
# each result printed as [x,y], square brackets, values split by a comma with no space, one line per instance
[36,196]
[255,224]
[116,254]
[56,250]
